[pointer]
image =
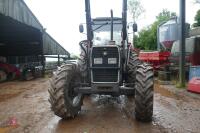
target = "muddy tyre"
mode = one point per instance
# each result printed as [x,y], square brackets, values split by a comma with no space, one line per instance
[64,102]
[132,67]
[144,93]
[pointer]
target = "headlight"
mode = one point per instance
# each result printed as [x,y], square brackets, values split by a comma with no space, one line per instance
[112,60]
[98,61]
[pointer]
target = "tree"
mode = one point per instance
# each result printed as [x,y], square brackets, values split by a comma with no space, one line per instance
[197,19]
[135,8]
[165,15]
[147,39]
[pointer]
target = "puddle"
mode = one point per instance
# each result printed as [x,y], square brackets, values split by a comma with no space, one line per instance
[102,114]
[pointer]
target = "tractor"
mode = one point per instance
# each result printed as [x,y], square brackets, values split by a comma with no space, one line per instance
[107,65]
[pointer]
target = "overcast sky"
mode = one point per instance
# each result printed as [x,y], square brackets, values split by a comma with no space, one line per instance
[62,17]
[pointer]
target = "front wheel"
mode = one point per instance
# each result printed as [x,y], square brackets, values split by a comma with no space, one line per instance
[65,103]
[144,93]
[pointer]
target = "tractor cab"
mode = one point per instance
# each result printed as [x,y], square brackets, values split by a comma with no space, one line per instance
[106,30]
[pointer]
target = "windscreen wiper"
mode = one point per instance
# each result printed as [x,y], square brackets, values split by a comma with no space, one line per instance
[101,26]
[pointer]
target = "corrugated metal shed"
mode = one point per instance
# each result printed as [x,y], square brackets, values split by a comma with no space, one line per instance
[51,47]
[19,25]
[18,10]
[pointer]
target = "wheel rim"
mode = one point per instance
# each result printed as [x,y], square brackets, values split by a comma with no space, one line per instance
[74,97]
[76,100]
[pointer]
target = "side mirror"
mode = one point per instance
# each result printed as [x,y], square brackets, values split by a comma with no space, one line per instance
[135,27]
[81,28]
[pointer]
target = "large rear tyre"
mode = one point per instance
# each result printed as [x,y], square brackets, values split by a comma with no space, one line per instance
[65,103]
[131,73]
[132,67]
[144,93]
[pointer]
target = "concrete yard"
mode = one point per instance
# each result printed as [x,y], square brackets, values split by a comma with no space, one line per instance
[24,108]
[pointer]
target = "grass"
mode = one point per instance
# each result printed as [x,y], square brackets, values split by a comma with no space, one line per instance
[181,86]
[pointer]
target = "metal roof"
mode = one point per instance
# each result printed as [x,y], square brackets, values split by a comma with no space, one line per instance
[19,25]
[51,46]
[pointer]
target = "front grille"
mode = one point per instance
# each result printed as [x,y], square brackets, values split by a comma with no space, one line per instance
[105,72]
[112,51]
[105,75]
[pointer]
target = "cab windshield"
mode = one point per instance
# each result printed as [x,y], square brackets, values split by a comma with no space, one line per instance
[103,38]
[102,31]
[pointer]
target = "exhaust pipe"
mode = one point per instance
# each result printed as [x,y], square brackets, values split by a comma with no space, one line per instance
[124,19]
[111,31]
[88,20]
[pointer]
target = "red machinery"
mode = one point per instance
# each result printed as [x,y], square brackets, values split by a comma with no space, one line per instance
[194,79]
[156,58]
[194,85]
[8,71]
[167,35]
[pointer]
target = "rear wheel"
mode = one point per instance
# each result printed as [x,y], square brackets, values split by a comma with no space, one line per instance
[132,67]
[65,103]
[144,93]
[3,75]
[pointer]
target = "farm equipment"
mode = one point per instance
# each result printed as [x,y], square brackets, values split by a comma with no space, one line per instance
[156,58]
[8,72]
[192,50]
[25,71]
[194,79]
[165,60]
[167,34]
[107,65]
[30,70]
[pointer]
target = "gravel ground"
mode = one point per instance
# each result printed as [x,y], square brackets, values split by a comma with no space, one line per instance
[24,108]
